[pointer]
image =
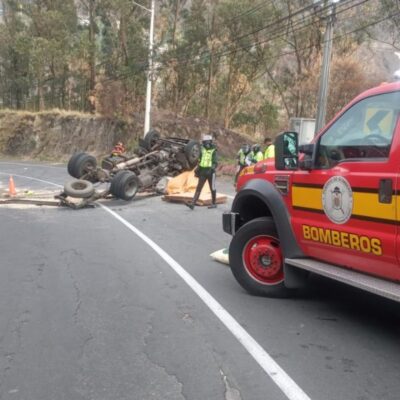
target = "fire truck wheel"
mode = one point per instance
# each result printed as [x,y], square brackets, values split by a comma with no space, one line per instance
[124,185]
[81,165]
[151,139]
[71,163]
[256,259]
[192,152]
[80,189]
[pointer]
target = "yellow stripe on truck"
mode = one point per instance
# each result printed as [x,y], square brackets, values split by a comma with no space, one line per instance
[368,205]
[307,197]
[364,204]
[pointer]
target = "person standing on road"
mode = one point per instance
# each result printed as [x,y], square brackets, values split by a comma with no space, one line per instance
[257,154]
[205,171]
[242,160]
[250,156]
[270,149]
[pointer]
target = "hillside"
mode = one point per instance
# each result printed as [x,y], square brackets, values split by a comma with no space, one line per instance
[56,135]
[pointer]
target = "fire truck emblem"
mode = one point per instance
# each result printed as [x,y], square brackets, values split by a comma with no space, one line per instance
[337,200]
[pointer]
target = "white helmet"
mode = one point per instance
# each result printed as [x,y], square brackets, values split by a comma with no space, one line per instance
[207,138]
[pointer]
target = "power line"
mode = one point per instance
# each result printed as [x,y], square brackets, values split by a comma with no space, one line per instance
[224,53]
[278,34]
[209,36]
[251,10]
[309,47]
[234,40]
[280,28]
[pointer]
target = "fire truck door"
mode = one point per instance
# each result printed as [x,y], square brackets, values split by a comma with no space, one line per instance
[344,209]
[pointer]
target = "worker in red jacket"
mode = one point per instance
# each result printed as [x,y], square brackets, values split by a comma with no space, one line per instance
[118,149]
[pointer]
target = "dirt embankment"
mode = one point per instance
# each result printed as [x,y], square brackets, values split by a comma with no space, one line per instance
[56,135]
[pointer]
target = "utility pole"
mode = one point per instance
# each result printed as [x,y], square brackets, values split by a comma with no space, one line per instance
[325,68]
[147,113]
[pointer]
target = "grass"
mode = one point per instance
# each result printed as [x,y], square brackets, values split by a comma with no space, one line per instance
[54,111]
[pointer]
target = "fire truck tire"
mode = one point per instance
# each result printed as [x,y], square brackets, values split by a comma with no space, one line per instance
[151,139]
[71,163]
[124,185]
[256,259]
[192,152]
[80,189]
[81,165]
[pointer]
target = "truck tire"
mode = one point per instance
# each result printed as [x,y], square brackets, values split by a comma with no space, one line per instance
[192,152]
[256,259]
[124,185]
[80,189]
[150,139]
[71,163]
[81,164]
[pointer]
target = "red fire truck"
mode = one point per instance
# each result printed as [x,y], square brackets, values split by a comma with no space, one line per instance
[331,207]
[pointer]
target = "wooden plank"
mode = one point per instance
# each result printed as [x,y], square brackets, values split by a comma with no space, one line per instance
[186,197]
[37,202]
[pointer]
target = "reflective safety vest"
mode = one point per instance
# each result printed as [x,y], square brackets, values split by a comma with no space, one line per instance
[242,157]
[259,156]
[206,157]
[250,158]
[270,151]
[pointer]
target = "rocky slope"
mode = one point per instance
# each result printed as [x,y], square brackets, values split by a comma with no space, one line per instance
[56,135]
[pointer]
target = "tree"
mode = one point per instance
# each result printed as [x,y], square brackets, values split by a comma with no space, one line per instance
[295,71]
[248,51]
[14,57]
[52,27]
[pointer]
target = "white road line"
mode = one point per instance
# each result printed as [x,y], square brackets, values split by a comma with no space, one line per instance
[31,165]
[266,362]
[29,177]
[288,386]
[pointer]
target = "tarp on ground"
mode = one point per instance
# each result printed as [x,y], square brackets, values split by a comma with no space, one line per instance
[182,187]
[186,183]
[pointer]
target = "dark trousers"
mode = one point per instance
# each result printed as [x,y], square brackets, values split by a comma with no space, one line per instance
[239,170]
[203,178]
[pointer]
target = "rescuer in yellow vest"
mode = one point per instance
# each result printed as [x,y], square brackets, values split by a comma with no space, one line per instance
[270,149]
[257,153]
[242,159]
[205,171]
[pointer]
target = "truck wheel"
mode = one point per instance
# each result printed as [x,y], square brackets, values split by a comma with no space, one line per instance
[81,165]
[192,152]
[124,185]
[151,139]
[80,188]
[71,163]
[256,259]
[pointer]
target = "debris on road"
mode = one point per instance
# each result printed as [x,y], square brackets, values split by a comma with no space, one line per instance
[28,197]
[221,256]
[181,188]
[156,159]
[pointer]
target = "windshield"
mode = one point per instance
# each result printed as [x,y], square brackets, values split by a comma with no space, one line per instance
[363,132]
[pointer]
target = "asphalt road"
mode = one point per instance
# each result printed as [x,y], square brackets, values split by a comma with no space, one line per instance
[91,308]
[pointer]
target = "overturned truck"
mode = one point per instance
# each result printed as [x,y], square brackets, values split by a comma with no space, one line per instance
[156,159]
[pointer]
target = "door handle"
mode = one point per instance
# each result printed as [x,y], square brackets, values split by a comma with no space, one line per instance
[385,191]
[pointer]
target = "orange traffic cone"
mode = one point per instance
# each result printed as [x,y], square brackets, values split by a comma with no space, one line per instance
[11,187]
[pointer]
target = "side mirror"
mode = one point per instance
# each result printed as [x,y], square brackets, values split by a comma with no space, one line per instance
[307,162]
[307,149]
[286,151]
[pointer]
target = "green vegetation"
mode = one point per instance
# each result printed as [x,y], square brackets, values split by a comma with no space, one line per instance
[247,65]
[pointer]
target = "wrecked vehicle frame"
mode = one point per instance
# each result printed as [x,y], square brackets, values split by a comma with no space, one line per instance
[146,170]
